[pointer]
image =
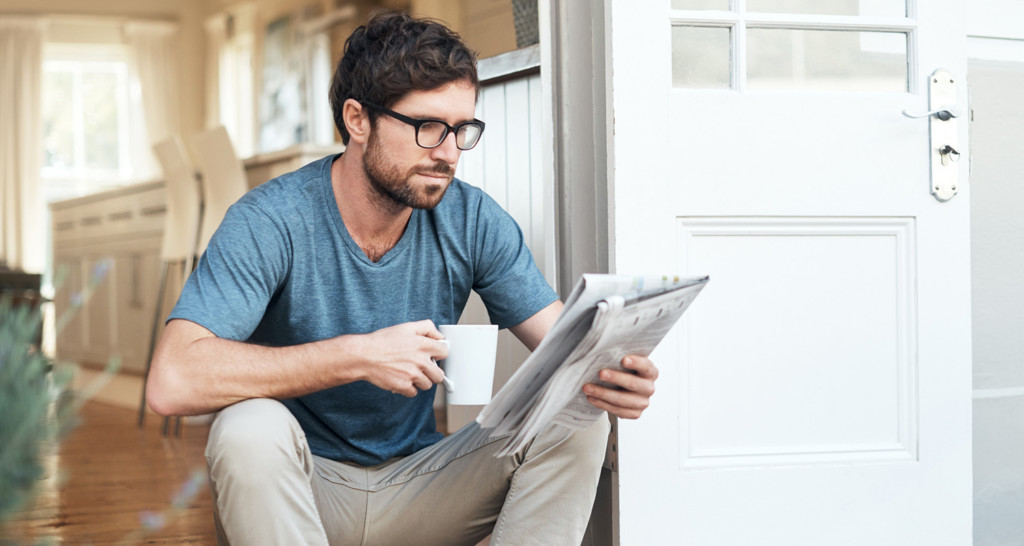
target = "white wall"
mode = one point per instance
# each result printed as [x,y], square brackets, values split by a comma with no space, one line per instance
[996,76]
[997,232]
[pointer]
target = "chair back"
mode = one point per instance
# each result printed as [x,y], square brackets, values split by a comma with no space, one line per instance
[224,180]
[181,225]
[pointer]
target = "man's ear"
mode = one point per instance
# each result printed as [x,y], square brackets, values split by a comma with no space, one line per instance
[357,120]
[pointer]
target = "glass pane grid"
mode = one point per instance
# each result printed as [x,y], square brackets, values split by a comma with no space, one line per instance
[702,57]
[793,45]
[861,8]
[857,8]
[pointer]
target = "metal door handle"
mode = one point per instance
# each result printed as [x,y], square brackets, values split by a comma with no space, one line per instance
[945,113]
[942,134]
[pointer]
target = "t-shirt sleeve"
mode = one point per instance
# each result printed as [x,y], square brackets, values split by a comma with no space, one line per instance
[507,278]
[242,268]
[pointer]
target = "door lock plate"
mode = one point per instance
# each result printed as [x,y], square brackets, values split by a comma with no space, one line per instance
[942,128]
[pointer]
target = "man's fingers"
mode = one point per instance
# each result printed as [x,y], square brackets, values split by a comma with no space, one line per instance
[427,328]
[618,398]
[628,381]
[438,349]
[623,404]
[630,391]
[408,391]
[641,365]
[434,373]
[424,382]
[622,413]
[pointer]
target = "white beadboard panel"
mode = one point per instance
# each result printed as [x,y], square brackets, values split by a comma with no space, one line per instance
[496,150]
[517,153]
[507,161]
[823,368]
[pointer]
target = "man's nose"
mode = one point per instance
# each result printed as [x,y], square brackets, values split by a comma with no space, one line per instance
[447,151]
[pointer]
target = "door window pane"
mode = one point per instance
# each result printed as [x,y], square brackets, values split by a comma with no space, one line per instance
[721,5]
[871,8]
[701,57]
[782,59]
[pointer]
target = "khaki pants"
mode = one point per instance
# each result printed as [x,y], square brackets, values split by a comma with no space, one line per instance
[269,489]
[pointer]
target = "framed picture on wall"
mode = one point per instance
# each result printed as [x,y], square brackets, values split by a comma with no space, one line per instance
[283,89]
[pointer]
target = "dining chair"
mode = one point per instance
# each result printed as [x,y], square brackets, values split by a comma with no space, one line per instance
[181,229]
[224,180]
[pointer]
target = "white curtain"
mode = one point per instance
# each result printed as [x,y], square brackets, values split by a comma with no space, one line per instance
[153,45]
[216,38]
[22,244]
[230,38]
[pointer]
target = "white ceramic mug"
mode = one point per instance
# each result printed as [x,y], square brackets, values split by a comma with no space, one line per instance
[469,368]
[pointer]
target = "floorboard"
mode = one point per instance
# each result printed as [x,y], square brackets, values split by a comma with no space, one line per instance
[113,483]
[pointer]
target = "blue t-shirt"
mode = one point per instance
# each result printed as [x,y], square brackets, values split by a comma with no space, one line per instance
[283,270]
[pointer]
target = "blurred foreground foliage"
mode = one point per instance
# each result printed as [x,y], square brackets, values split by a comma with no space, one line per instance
[35,406]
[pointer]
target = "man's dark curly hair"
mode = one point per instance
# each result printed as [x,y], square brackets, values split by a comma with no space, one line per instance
[393,54]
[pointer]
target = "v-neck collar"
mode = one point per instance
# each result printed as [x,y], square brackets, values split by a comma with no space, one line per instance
[411,228]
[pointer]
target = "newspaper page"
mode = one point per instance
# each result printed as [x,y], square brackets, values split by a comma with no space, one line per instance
[605,318]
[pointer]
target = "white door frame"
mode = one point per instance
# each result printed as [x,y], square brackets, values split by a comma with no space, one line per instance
[576,89]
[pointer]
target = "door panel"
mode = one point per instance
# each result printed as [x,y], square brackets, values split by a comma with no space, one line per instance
[856,398]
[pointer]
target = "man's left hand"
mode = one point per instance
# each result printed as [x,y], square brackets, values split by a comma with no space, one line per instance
[636,385]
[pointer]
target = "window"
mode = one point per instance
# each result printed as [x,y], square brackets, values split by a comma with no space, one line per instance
[230,79]
[89,119]
[841,45]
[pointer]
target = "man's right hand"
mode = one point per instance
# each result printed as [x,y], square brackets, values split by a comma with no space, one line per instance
[402,358]
[194,372]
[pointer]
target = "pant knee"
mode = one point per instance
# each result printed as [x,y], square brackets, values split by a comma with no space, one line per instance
[585,447]
[252,437]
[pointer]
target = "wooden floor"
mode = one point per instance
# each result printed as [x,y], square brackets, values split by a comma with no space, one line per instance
[113,483]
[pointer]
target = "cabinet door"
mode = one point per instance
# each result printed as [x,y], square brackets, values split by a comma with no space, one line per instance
[67,302]
[97,312]
[137,276]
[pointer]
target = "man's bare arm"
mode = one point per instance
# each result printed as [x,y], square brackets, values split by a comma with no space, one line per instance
[532,330]
[195,372]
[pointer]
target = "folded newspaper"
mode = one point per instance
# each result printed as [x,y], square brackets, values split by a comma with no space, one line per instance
[605,318]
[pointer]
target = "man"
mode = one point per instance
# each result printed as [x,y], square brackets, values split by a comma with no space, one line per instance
[310,324]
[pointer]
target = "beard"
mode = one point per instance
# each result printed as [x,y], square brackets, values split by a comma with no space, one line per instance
[393,187]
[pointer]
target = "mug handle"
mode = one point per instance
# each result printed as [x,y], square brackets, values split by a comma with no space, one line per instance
[449,386]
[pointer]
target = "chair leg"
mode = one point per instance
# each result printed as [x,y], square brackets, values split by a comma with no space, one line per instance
[152,339]
[187,266]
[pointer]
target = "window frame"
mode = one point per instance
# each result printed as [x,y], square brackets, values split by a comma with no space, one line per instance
[738,21]
[78,179]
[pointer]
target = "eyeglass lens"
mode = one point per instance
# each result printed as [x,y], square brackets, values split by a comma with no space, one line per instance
[431,134]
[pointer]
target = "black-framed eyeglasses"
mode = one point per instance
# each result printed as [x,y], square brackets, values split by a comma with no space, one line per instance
[430,133]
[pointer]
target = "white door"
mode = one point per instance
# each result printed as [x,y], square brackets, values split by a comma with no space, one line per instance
[819,390]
